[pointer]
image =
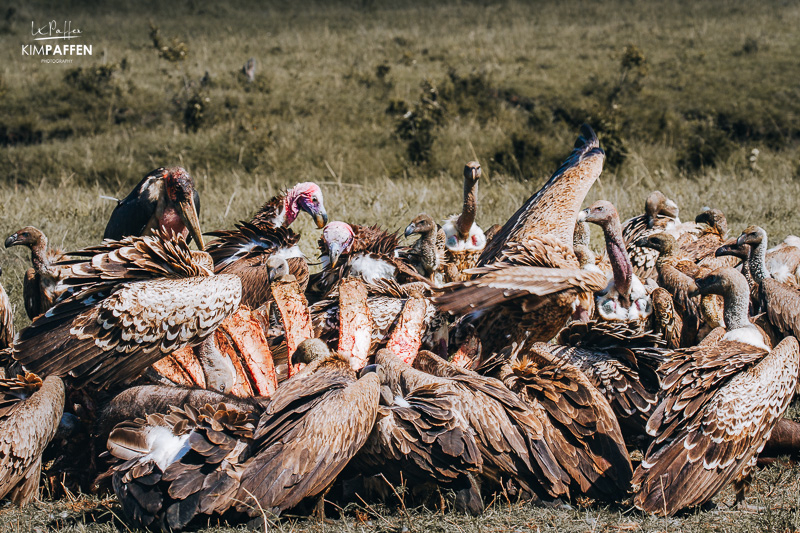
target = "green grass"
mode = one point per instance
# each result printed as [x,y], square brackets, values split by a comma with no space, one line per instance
[680,94]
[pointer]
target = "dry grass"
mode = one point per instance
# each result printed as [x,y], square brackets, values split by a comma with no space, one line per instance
[680,94]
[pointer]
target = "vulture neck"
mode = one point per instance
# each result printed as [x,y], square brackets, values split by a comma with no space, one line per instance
[428,247]
[39,254]
[736,300]
[470,209]
[289,209]
[758,261]
[667,254]
[620,263]
[746,272]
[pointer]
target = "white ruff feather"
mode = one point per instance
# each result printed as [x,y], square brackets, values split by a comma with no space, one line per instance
[166,448]
[288,253]
[475,242]
[371,269]
[608,302]
[399,400]
[748,335]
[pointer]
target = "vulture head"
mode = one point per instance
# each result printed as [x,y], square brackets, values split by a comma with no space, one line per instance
[27,236]
[306,197]
[722,281]
[714,218]
[753,236]
[663,242]
[472,171]
[181,193]
[602,212]
[422,224]
[658,204]
[338,237]
[732,247]
[310,350]
[278,269]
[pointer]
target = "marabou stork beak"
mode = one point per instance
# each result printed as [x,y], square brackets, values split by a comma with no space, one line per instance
[188,213]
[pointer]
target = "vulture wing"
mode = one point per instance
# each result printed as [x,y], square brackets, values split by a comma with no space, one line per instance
[30,411]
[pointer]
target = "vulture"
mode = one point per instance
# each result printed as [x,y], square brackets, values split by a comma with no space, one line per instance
[187,462]
[713,234]
[420,437]
[511,435]
[427,254]
[676,274]
[621,360]
[365,252]
[315,424]
[528,277]
[582,429]
[6,319]
[720,404]
[283,209]
[464,240]
[661,215]
[779,300]
[42,285]
[165,198]
[625,297]
[142,400]
[245,250]
[130,303]
[30,410]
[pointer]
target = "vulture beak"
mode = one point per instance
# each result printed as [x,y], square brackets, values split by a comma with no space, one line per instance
[320,217]
[410,229]
[334,251]
[189,216]
[11,241]
[739,242]
[583,215]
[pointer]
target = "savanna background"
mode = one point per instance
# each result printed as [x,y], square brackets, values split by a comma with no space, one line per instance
[382,103]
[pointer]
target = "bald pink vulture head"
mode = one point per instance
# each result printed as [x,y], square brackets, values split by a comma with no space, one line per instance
[338,237]
[307,197]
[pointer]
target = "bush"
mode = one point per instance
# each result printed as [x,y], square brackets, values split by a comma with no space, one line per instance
[706,146]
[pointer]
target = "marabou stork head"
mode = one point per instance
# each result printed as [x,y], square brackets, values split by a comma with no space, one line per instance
[182,195]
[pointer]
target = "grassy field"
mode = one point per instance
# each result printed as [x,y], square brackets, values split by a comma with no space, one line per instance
[382,103]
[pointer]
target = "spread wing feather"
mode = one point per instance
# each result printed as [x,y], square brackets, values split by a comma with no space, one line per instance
[304,441]
[545,212]
[30,411]
[511,282]
[718,442]
[584,433]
